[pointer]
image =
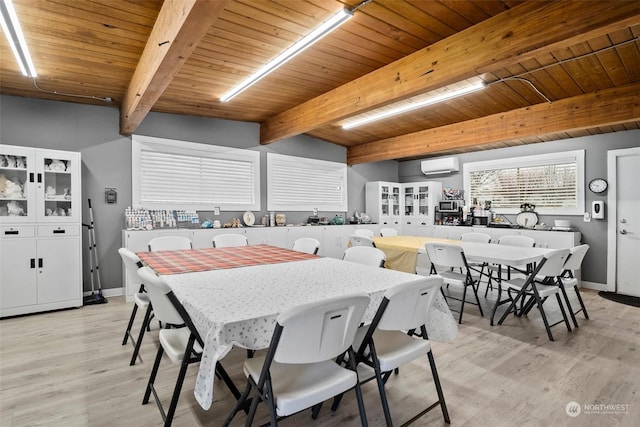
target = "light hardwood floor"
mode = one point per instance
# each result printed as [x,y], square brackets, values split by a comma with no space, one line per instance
[68,368]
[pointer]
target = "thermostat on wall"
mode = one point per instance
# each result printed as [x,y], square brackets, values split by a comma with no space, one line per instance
[110,195]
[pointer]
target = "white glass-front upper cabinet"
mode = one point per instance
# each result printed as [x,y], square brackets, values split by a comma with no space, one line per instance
[420,200]
[383,202]
[38,185]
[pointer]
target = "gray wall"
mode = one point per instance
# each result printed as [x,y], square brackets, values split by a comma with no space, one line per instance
[106,159]
[594,233]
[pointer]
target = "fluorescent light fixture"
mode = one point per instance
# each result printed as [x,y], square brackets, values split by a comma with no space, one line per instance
[14,34]
[411,104]
[321,31]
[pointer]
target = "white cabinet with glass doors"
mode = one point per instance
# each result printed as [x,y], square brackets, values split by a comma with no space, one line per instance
[383,202]
[38,185]
[419,202]
[40,230]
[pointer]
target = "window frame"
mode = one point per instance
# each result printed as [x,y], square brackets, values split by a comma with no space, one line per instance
[141,143]
[301,178]
[532,161]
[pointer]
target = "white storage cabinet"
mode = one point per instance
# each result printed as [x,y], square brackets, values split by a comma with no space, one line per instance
[383,202]
[419,201]
[40,230]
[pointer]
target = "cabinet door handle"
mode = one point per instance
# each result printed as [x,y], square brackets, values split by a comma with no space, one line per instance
[59,231]
[31,178]
[39,262]
[11,232]
[33,263]
[39,178]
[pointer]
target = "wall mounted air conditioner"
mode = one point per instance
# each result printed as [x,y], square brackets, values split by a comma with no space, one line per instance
[442,165]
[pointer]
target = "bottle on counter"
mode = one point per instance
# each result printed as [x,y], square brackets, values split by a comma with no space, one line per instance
[272,219]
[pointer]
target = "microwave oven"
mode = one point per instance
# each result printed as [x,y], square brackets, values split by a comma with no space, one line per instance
[449,206]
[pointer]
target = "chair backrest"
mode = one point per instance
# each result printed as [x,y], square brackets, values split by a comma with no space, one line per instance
[574,262]
[364,232]
[366,255]
[320,330]
[476,237]
[357,240]
[131,263]
[408,304]
[163,309]
[517,240]
[553,265]
[306,244]
[229,240]
[169,243]
[385,232]
[446,254]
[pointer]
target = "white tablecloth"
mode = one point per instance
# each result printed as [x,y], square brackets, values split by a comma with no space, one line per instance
[239,306]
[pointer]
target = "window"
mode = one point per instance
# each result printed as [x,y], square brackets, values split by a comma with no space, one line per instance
[551,182]
[300,184]
[170,174]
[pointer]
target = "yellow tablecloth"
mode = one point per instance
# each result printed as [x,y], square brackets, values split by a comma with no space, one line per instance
[402,251]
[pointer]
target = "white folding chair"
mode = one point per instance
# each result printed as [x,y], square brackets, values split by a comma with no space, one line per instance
[229,240]
[510,240]
[384,345]
[452,266]
[535,289]
[366,255]
[567,280]
[385,232]
[179,339]
[299,369]
[357,240]
[478,267]
[169,243]
[306,244]
[141,300]
[365,232]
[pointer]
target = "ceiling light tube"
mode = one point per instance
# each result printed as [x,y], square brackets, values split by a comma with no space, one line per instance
[413,105]
[324,29]
[14,34]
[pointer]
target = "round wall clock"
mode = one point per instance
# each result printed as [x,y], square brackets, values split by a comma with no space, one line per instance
[598,185]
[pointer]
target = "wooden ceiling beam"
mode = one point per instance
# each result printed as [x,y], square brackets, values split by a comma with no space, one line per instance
[521,33]
[179,28]
[603,108]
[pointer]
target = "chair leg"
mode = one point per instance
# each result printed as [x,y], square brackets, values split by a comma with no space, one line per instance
[544,316]
[583,308]
[464,297]
[143,329]
[241,402]
[359,398]
[436,380]
[186,359]
[564,313]
[128,331]
[152,377]
[475,292]
[569,308]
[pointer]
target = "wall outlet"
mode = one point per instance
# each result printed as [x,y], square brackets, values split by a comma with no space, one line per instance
[587,217]
[315,211]
[216,210]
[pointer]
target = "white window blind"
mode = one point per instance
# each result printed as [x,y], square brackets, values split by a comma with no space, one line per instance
[301,184]
[551,182]
[169,174]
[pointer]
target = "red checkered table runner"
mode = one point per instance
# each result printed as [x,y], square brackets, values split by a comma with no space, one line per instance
[192,260]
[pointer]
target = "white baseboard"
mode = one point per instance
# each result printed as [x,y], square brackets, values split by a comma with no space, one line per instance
[593,285]
[111,292]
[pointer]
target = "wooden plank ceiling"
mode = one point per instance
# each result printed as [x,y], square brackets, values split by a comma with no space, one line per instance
[553,70]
